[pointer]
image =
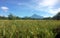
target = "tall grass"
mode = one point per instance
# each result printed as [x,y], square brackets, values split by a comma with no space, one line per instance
[28,28]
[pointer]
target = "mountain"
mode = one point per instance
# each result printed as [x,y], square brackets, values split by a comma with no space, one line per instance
[36,16]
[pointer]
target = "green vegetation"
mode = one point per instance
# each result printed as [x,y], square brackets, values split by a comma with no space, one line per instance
[28,28]
[13,17]
[57,16]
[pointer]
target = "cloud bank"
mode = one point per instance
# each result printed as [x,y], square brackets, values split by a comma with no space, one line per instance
[48,6]
[5,9]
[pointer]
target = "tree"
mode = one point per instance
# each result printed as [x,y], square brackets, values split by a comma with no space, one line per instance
[18,18]
[57,16]
[47,18]
[3,18]
[11,17]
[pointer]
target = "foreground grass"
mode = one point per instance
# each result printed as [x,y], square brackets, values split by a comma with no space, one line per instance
[28,28]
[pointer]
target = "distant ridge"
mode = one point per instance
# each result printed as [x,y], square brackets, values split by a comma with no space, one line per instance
[36,16]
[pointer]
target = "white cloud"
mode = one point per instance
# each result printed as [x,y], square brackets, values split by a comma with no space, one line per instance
[5,9]
[46,16]
[47,6]
[19,3]
[53,11]
[49,3]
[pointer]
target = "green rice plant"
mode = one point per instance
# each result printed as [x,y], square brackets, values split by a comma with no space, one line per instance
[28,28]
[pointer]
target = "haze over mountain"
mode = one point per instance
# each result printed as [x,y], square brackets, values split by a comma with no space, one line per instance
[36,16]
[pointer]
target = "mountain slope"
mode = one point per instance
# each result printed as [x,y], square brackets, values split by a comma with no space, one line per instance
[36,16]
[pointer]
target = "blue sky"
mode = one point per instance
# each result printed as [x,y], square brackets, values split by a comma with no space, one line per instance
[21,8]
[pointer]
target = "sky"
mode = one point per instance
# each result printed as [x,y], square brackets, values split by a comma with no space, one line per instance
[21,8]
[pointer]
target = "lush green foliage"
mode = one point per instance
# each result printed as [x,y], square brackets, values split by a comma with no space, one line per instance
[57,16]
[28,28]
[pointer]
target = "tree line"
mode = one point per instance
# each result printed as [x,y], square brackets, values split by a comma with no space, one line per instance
[12,17]
[55,17]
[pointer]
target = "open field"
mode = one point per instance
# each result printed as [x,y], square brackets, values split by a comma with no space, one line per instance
[28,28]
